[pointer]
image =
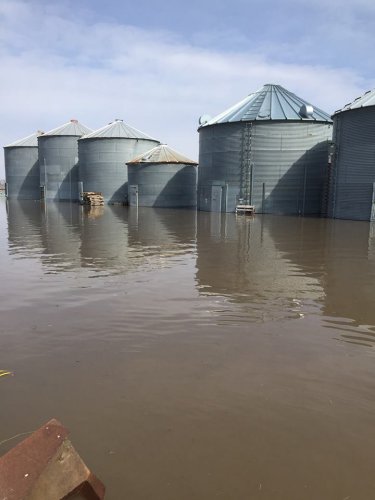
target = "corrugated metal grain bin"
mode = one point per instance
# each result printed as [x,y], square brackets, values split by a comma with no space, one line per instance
[162,178]
[22,168]
[270,150]
[352,181]
[58,160]
[102,155]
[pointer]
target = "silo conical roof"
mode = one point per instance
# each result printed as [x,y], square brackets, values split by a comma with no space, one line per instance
[27,142]
[73,128]
[271,102]
[363,101]
[118,130]
[162,154]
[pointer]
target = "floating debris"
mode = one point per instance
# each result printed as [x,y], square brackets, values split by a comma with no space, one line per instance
[5,372]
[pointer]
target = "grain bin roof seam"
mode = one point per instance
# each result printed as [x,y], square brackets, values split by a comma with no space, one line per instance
[71,128]
[363,101]
[30,141]
[118,130]
[162,154]
[271,102]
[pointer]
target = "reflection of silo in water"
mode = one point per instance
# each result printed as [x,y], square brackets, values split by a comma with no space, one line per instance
[341,254]
[162,233]
[238,258]
[104,239]
[61,236]
[24,221]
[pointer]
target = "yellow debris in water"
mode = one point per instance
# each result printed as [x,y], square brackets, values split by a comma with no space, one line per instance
[4,372]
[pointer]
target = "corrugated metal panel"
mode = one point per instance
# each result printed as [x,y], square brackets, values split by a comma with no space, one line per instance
[118,130]
[58,160]
[73,127]
[287,165]
[367,99]
[22,172]
[351,193]
[271,102]
[163,185]
[102,165]
[162,154]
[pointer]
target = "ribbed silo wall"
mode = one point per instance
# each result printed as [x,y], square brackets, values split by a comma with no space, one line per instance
[22,173]
[58,160]
[102,165]
[164,185]
[287,165]
[290,161]
[352,193]
[220,149]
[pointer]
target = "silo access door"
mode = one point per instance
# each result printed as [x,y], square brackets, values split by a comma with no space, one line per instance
[133,196]
[218,198]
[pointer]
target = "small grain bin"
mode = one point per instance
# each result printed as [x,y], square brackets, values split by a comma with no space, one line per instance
[22,168]
[102,155]
[58,160]
[162,178]
[352,180]
[270,150]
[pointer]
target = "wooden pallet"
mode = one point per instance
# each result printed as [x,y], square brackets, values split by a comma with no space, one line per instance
[92,198]
[245,209]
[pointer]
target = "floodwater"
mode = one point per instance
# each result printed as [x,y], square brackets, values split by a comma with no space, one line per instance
[193,356]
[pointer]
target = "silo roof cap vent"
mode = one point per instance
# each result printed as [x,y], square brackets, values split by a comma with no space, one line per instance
[73,120]
[306,111]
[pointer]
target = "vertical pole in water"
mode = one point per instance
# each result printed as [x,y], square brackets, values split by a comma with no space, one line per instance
[251,183]
[263,196]
[80,191]
[372,215]
[304,190]
[45,179]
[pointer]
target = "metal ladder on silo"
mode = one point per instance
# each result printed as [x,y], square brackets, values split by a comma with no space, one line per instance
[334,172]
[246,166]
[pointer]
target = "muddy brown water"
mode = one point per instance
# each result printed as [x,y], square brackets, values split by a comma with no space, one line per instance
[193,356]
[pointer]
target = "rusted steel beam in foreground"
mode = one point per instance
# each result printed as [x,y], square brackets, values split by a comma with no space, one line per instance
[46,466]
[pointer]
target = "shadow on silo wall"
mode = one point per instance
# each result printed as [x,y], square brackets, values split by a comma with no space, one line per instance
[299,190]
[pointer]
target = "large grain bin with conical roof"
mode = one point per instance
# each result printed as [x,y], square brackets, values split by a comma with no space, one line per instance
[102,155]
[352,179]
[162,177]
[22,168]
[270,150]
[58,160]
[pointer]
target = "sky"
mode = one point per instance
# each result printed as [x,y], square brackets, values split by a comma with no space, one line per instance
[160,65]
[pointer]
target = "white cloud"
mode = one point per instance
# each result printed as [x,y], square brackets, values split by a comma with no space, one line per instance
[56,67]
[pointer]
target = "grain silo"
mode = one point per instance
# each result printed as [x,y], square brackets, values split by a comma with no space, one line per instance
[352,181]
[162,177]
[102,155]
[22,168]
[270,150]
[58,160]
